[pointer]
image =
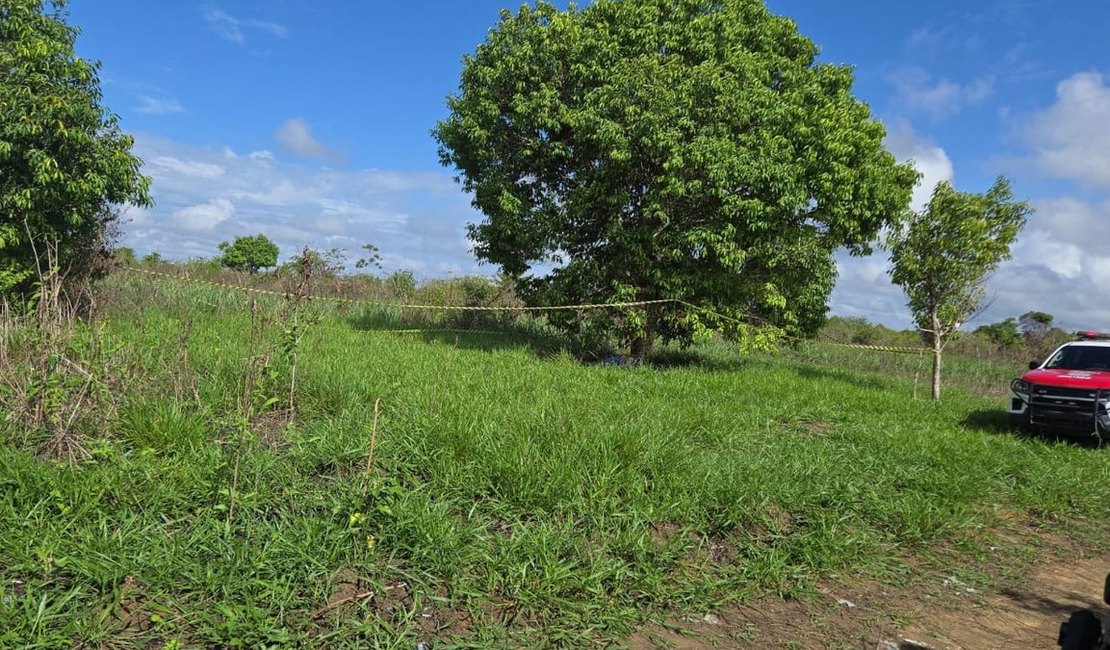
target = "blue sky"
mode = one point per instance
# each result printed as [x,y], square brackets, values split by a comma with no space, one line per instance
[310,121]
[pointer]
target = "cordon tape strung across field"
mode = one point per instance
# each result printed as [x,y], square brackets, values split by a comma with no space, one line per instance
[876,348]
[605,305]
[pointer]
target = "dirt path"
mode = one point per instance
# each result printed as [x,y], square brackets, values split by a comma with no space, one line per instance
[944,614]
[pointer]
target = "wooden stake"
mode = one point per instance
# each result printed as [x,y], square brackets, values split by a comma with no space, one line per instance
[373,445]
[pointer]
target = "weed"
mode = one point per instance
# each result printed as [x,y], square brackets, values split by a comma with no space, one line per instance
[163,426]
[54,368]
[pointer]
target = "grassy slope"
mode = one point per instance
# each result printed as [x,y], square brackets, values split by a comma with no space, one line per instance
[516,498]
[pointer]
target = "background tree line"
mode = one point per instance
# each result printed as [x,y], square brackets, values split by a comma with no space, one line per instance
[1004,340]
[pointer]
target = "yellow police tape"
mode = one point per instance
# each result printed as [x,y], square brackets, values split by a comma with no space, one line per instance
[605,305]
[440,330]
[875,348]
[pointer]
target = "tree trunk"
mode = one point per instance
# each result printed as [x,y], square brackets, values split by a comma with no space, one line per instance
[937,347]
[642,344]
[936,371]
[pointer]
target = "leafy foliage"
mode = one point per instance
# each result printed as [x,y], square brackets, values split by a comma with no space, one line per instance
[1035,326]
[373,259]
[942,256]
[65,165]
[311,263]
[124,256]
[1004,333]
[859,330]
[657,149]
[249,253]
[402,283]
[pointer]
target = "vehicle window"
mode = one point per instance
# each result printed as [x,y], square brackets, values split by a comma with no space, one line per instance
[1079,357]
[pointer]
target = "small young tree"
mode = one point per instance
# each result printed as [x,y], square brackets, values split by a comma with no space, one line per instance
[373,259]
[311,263]
[942,256]
[249,253]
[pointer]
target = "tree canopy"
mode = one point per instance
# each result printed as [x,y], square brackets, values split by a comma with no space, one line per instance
[1004,333]
[373,259]
[65,165]
[942,255]
[1035,326]
[690,149]
[312,263]
[249,253]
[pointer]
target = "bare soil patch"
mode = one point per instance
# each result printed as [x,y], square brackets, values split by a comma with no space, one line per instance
[942,613]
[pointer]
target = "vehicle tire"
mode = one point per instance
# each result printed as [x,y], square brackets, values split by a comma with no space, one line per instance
[1081,631]
[1020,422]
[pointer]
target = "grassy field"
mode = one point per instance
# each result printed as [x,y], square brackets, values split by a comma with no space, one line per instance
[516,496]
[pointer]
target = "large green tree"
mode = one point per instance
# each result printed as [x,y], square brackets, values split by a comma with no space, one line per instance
[249,253]
[691,149]
[65,166]
[942,256]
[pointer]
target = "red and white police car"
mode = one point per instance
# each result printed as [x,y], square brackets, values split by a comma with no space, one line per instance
[1069,392]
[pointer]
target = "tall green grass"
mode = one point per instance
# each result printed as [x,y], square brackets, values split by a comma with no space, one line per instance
[518,496]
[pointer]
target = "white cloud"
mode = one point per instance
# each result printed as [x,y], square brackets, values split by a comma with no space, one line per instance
[158,105]
[1070,138]
[917,90]
[281,193]
[1040,248]
[417,219]
[273,29]
[978,90]
[233,29]
[386,180]
[863,289]
[204,216]
[1073,221]
[225,26]
[1099,271]
[1060,266]
[331,225]
[169,164]
[133,217]
[928,39]
[1061,263]
[942,42]
[929,159]
[356,214]
[294,135]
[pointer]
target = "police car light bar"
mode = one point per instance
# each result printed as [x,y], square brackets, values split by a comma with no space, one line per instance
[1102,336]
